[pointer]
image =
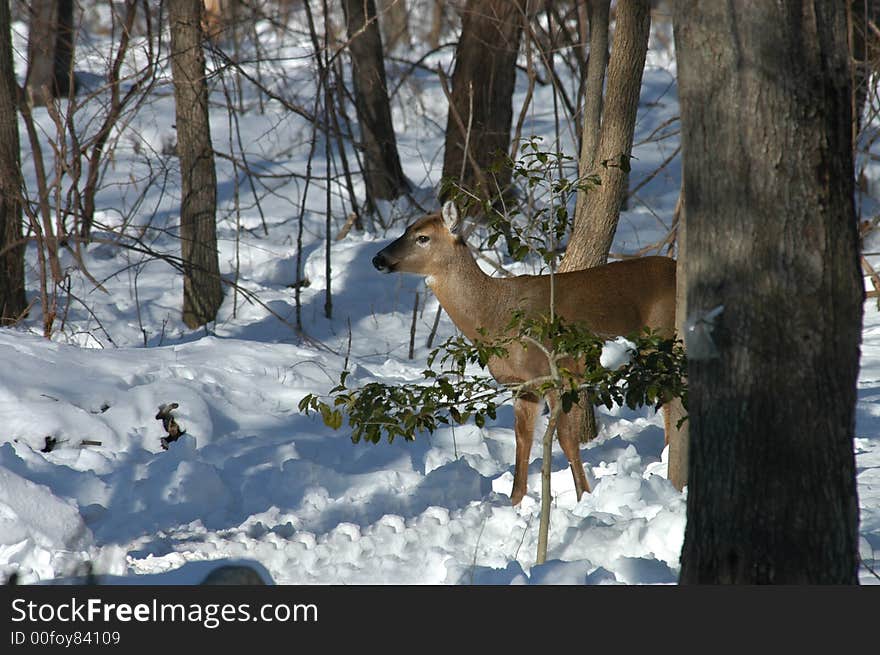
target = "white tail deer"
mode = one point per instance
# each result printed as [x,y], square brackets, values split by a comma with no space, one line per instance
[611,300]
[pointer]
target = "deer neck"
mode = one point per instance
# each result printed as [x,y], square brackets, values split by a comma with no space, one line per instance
[467,294]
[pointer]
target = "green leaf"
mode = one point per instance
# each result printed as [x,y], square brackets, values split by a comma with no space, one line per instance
[325,414]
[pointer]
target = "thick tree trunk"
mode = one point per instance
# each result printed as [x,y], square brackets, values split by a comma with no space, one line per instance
[12,296]
[202,290]
[481,111]
[771,238]
[597,211]
[383,174]
[50,51]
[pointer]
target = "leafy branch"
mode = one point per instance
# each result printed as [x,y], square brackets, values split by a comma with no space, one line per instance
[535,171]
[653,375]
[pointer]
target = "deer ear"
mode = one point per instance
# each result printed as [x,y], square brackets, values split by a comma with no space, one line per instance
[450,216]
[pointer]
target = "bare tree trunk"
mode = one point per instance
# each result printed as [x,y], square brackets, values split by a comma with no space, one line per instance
[598,210]
[772,240]
[50,51]
[383,174]
[437,23]
[12,295]
[395,24]
[202,291]
[481,110]
[864,15]
[598,13]
[677,463]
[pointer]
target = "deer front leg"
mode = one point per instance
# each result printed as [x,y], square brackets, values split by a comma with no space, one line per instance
[525,412]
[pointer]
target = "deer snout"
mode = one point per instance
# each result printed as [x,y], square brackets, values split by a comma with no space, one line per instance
[381,264]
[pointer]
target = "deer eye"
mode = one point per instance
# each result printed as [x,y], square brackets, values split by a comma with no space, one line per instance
[422,239]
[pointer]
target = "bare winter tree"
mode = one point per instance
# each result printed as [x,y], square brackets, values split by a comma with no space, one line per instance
[607,153]
[608,128]
[772,253]
[12,292]
[202,291]
[383,174]
[481,109]
[50,51]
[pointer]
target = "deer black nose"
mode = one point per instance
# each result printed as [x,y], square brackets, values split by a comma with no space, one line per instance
[379,262]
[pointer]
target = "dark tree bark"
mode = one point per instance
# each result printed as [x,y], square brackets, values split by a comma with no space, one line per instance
[481,111]
[771,237]
[12,295]
[598,210]
[202,290]
[383,174]
[50,51]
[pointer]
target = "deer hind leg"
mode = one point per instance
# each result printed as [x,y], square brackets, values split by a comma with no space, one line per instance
[569,430]
[525,411]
